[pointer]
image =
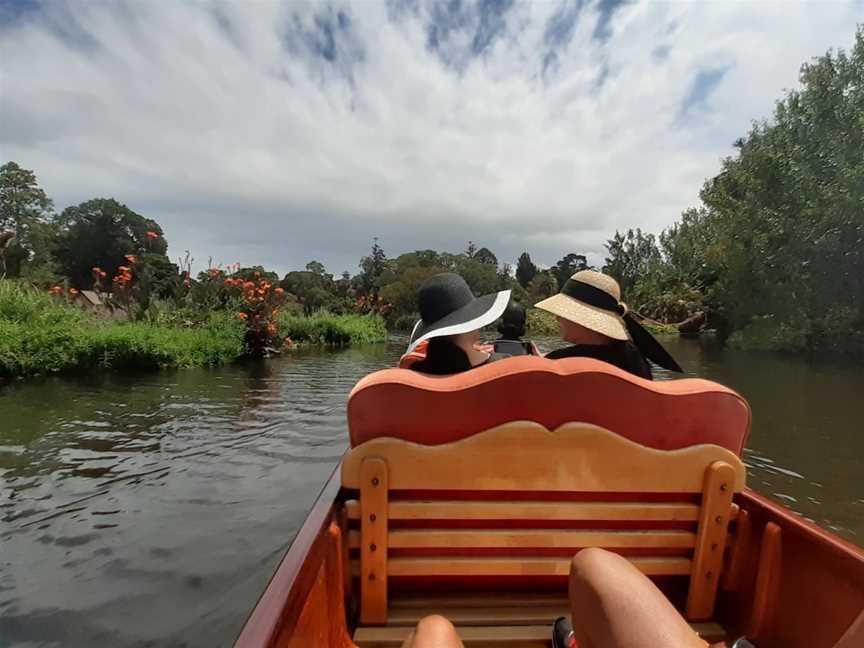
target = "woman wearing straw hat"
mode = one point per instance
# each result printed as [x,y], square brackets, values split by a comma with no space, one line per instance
[593,318]
[451,318]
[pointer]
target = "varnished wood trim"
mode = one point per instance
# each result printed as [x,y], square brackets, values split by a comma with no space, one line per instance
[486,566]
[524,455]
[535,538]
[373,550]
[711,540]
[767,581]
[588,511]
[742,540]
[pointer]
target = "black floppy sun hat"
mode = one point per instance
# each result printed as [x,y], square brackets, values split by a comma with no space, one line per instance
[448,307]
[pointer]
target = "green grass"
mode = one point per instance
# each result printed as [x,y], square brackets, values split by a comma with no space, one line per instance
[41,334]
[333,330]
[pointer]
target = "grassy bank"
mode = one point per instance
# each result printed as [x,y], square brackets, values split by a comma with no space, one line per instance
[41,334]
[333,330]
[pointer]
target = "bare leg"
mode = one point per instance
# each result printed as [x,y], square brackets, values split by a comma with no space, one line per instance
[616,606]
[433,632]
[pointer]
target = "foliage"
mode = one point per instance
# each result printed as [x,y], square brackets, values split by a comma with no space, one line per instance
[102,232]
[525,269]
[776,251]
[540,323]
[334,330]
[41,334]
[569,265]
[25,211]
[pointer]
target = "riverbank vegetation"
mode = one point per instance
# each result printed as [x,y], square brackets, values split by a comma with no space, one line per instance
[41,333]
[773,255]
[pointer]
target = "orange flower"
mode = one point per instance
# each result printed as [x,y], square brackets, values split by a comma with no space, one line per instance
[279,291]
[248,285]
[55,290]
[131,258]
[152,235]
[271,329]
[73,292]
[123,269]
[242,316]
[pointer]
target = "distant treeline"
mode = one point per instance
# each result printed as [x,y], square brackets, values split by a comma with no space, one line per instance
[774,254]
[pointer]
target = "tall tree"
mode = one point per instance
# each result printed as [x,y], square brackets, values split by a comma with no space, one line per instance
[485,255]
[569,265]
[25,210]
[101,232]
[630,256]
[371,267]
[525,270]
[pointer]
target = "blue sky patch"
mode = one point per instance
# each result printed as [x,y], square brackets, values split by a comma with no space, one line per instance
[705,82]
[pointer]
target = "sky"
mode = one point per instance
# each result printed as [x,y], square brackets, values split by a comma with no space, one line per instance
[276,133]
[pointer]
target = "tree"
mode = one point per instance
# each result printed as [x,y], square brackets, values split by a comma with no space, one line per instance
[313,290]
[569,265]
[543,285]
[26,211]
[371,267]
[318,268]
[631,256]
[485,255]
[525,270]
[101,232]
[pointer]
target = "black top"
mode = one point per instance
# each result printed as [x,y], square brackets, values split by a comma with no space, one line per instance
[622,354]
[512,347]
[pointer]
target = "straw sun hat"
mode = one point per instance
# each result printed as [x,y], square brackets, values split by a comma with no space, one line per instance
[593,300]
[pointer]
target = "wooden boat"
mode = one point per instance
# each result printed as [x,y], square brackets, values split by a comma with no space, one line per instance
[467,496]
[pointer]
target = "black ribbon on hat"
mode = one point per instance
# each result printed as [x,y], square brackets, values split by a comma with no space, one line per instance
[646,343]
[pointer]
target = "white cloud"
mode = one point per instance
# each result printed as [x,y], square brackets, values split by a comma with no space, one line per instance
[272,133]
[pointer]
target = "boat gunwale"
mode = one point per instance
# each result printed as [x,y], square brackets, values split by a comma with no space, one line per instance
[282,599]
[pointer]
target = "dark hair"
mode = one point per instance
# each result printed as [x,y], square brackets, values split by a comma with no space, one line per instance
[443,357]
[512,326]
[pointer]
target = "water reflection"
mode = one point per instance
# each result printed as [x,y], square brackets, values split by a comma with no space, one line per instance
[151,509]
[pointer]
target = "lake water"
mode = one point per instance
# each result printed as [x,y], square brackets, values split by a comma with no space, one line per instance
[151,510]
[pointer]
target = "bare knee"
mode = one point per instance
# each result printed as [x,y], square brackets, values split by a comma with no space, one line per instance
[593,564]
[434,631]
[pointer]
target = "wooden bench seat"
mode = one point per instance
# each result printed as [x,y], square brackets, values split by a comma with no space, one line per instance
[515,503]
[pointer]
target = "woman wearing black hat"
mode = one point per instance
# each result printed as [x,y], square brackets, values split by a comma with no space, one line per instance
[450,319]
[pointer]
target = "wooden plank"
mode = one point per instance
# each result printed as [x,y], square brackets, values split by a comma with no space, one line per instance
[440,566]
[472,616]
[478,599]
[530,539]
[742,540]
[711,540]
[373,552]
[539,635]
[767,581]
[553,511]
[366,637]
[524,455]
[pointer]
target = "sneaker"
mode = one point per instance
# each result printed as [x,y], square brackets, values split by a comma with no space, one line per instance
[562,634]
